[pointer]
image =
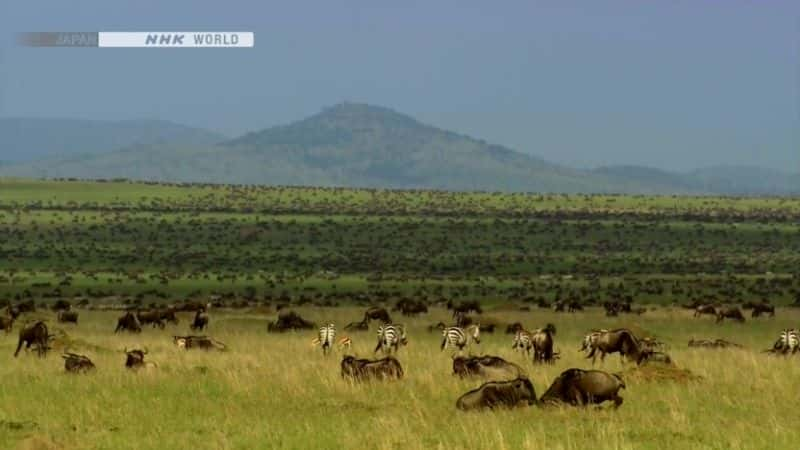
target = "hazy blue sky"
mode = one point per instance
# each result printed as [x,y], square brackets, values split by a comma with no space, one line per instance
[670,84]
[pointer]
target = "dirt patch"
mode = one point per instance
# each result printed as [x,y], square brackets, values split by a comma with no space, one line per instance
[659,373]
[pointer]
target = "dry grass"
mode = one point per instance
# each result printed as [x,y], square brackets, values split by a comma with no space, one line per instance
[275,391]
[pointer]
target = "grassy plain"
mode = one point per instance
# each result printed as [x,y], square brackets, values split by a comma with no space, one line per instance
[128,243]
[275,391]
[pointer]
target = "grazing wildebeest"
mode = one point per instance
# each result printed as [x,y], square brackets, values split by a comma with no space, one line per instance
[75,363]
[499,394]
[128,322]
[150,317]
[289,321]
[201,342]
[68,317]
[705,309]
[376,313]
[486,366]
[357,326]
[6,323]
[36,334]
[409,307]
[168,315]
[366,369]
[200,321]
[542,341]
[134,359]
[583,387]
[574,306]
[730,313]
[763,308]
[621,341]
[465,307]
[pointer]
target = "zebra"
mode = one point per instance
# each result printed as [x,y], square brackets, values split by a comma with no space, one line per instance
[390,337]
[522,341]
[460,337]
[327,336]
[789,341]
[589,341]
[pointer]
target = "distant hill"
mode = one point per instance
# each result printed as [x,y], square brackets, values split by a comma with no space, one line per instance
[360,145]
[29,139]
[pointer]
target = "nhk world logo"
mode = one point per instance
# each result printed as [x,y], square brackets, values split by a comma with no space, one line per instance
[139,39]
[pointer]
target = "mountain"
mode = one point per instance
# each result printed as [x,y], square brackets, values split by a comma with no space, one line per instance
[358,145]
[28,139]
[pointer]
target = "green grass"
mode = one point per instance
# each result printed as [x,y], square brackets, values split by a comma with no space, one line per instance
[275,391]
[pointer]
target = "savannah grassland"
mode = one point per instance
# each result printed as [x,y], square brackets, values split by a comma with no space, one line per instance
[122,243]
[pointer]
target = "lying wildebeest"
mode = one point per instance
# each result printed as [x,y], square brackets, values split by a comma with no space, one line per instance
[357,326]
[486,366]
[35,334]
[716,343]
[134,359]
[499,394]
[201,342]
[6,323]
[377,313]
[200,321]
[289,321]
[542,341]
[68,317]
[487,328]
[621,341]
[705,309]
[367,369]
[763,308]
[649,356]
[150,317]
[128,322]
[583,387]
[730,313]
[75,363]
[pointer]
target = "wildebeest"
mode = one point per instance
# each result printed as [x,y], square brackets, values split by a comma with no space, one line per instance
[12,311]
[716,343]
[465,307]
[409,307]
[134,359]
[499,394]
[621,341]
[357,326]
[200,321]
[763,308]
[369,369]
[730,313]
[128,322]
[61,305]
[438,326]
[583,387]
[574,306]
[35,334]
[514,328]
[486,366]
[150,317]
[168,315]
[649,355]
[68,317]
[6,323]
[542,340]
[289,321]
[75,363]
[377,313]
[201,342]
[705,309]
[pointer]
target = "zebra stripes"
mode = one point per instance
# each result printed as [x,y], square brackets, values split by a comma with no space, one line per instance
[327,336]
[523,340]
[788,342]
[390,337]
[460,337]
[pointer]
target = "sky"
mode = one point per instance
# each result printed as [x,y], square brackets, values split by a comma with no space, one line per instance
[675,85]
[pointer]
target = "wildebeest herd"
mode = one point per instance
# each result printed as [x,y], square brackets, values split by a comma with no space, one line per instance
[506,383]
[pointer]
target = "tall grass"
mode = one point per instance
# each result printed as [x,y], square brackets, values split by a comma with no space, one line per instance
[276,391]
